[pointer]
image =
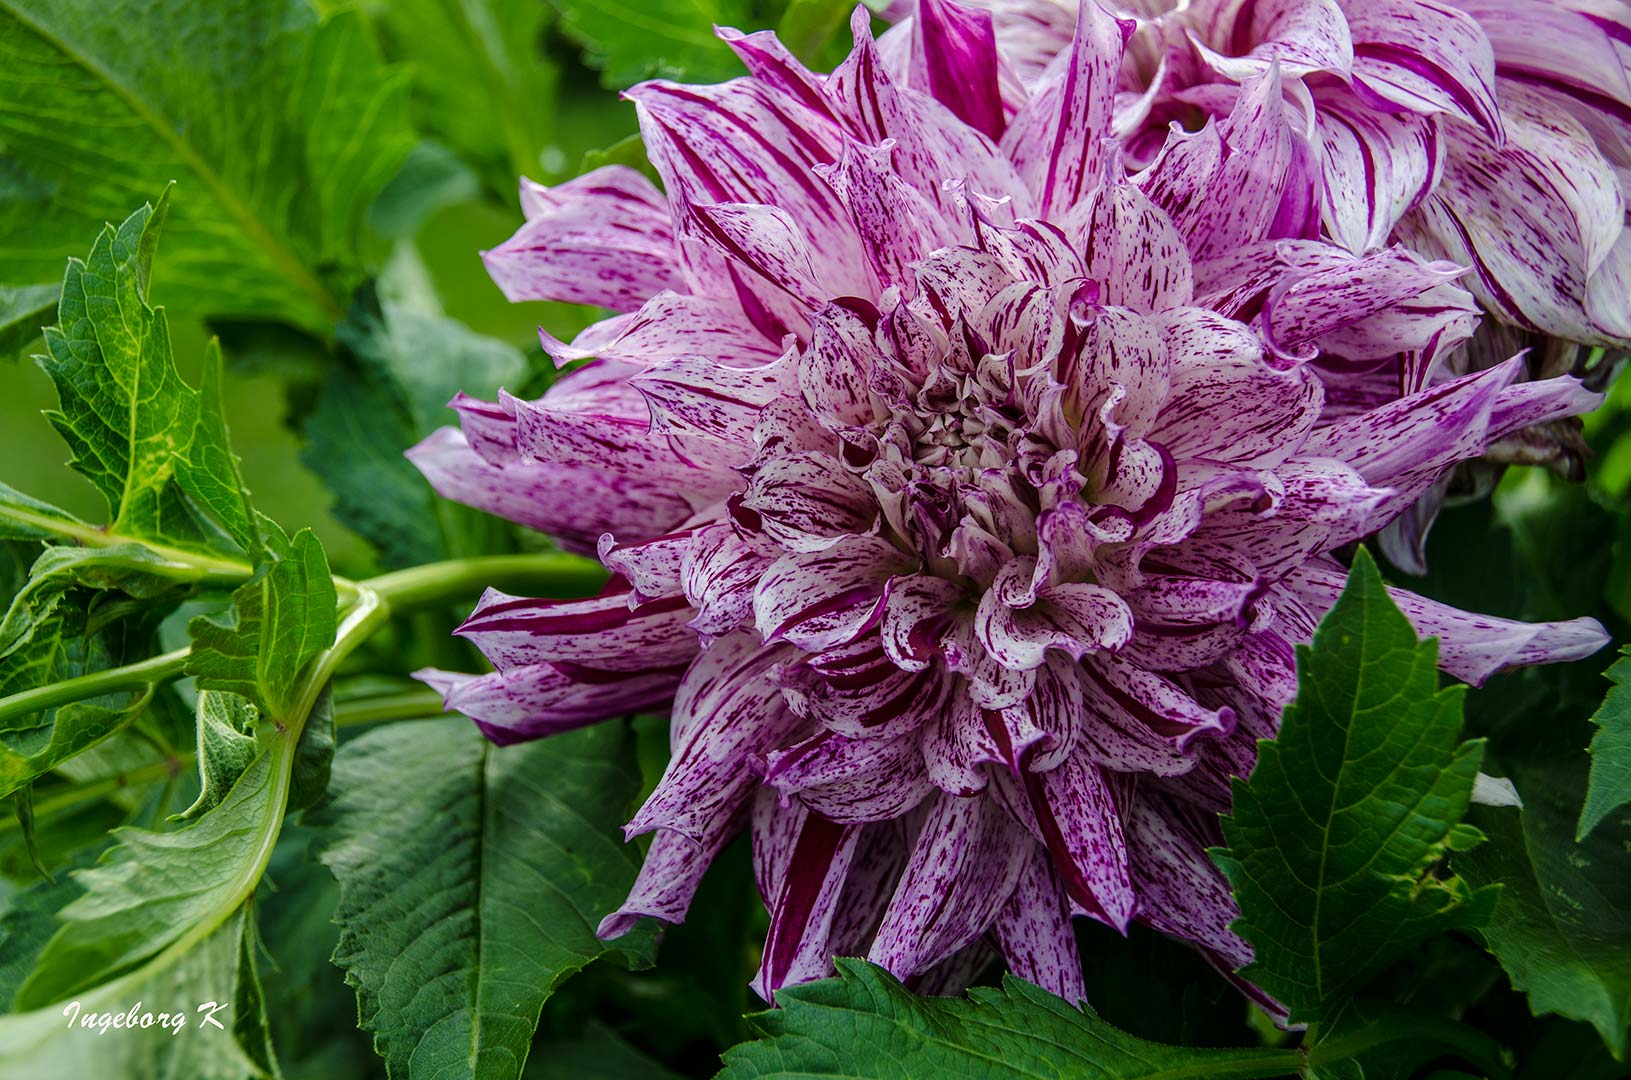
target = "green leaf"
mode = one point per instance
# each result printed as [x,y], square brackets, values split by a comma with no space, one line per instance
[1610,786]
[220,968]
[600,1054]
[1333,843]
[32,744]
[864,1025]
[24,309]
[278,129]
[23,517]
[157,889]
[1562,929]
[226,747]
[630,151]
[472,879]
[279,622]
[153,446]
[381,399]
[132,569]
[482,82]
[629,40]
[30,919]
[817,31]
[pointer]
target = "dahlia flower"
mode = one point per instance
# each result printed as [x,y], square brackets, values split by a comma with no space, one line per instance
[1494,133]
[963,498]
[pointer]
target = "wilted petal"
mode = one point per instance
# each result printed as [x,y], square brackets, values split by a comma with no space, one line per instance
[1185,894]
[606,630]
[807,894]
[1471,647]
[669,875]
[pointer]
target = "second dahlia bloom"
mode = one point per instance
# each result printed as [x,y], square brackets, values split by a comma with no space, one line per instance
[1495,133]
[963,500]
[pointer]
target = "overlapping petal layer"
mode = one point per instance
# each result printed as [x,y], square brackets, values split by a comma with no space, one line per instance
[964,494]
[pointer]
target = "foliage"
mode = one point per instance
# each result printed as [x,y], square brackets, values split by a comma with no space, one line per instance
[1334,841]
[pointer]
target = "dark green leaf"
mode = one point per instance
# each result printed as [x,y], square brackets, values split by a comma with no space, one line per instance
[472,879]
[279,622]
[598,1055]
[629,40]
[864,1025]
[1562,929]
[24,309]
[431,177]
[278,130]
[30,919]
[33,743]
[382,398]
[1610,786]
[630,150]
[1334,842]
[130,568]
[152,445]
[482,83]
[313,754]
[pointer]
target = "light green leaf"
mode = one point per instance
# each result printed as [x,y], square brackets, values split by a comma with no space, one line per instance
[472,879]
[1610,786]
[156,890]
[482,81]
[220,968]
[1562,929]
[133,569]
[1334,842]
[381,399]
[34,743]
[278,129]
[153,446]
[24,309]
[864,1025]
[226,747]
[279,622]
[629,40]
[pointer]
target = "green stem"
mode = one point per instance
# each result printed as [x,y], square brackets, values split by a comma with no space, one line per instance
[395,593]
[1471,1044]
[149,673]
[205,567]
[58,801]
[551,573]
[406,706]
